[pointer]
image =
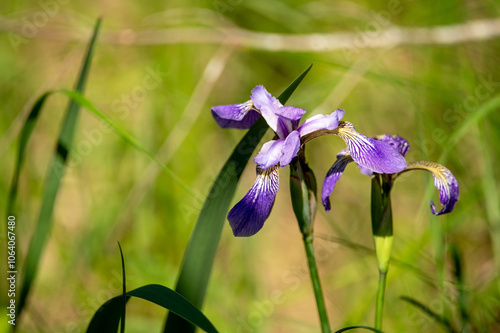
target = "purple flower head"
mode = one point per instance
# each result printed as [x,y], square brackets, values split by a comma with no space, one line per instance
[444,180]
[371,155]
[248,216]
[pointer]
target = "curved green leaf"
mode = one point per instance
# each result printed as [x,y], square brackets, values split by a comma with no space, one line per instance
[83,101]
[107,317]
[355,327]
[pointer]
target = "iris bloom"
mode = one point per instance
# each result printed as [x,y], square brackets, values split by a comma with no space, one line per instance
[248,216]
[444,180]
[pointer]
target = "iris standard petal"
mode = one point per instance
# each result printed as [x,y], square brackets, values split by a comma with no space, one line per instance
[333,175]
[290,148]
[399,143]
[240,116]
[267,105]
[321,122]
[444,181]
[248,216]
[261,97]
[290,112]
[378,156]
[270,153]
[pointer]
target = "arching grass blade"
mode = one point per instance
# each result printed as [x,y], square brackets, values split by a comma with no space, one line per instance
[54,176]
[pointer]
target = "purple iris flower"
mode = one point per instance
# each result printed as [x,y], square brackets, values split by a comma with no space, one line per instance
[444,180]
[248,216]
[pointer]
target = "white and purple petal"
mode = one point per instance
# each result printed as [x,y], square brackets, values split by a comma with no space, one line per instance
[280,151]
[267,105]
[240,116]
[378,156]
[248,216]
[444,181]
[321,122]
[333,175]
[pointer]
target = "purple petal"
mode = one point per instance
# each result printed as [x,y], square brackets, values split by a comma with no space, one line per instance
[270,154]
[321,122]
[290,148]
[290,112]
[285,127]
[235,115]
[333,175]
[400,144]
[365,171]
[267,105]
[261,97]
[248,216]
[378,156]
[444,181]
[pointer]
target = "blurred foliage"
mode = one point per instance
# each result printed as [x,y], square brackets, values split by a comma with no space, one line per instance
[421,92]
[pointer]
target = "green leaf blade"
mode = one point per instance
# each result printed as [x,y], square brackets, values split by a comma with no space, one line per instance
[107,317]
[54,176]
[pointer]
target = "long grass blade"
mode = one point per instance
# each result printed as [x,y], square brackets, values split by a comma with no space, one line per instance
[24,136]
[462,295]
[200,252]
[124,292]
[438,318]
[83,101]
[53,180]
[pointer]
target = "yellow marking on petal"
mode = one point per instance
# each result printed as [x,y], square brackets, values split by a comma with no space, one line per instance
[436,169]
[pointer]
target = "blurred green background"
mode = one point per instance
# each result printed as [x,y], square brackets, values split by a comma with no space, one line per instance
[157,78]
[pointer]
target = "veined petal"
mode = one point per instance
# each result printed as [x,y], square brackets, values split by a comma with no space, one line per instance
[333,175]
[270,153]
[290,148]
[321,122]
[399,143]
[444,181]
[248,216]
[267,105]
[290,112]
[240,116]
[378,156]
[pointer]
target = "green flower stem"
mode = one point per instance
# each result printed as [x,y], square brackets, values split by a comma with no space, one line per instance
[383,246]
[318,292]
[381,212]
[380,299]
[303,194]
